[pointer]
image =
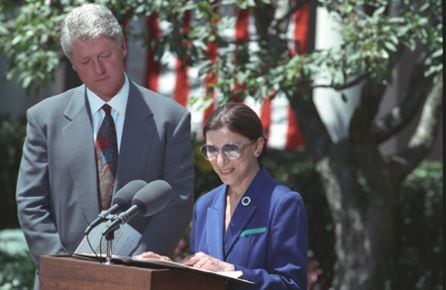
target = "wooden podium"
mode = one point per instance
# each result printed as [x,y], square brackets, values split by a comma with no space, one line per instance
[69,273]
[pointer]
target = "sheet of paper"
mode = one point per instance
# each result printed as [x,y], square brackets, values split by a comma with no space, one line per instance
[171,264]
[157,263]
[125,241]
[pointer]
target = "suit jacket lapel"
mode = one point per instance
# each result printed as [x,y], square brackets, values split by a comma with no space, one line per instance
[80,153]
[139,128]
[246,209]
[215,224]
[239,220]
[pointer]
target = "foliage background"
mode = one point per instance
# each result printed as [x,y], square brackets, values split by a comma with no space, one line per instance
[420,217]
[373,42]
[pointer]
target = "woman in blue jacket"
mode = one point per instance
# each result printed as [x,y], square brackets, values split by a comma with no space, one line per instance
[251,223]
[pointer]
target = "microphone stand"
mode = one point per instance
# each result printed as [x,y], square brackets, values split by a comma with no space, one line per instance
[109,238]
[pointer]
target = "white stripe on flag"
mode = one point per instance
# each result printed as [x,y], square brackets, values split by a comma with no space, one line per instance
[197,90]
[279,122]
[168,79]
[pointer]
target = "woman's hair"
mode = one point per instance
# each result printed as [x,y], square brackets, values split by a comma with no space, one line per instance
[86,22]
[239,119]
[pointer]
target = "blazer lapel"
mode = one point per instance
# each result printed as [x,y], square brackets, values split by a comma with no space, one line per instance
[139,128]
[80,153]
[215,225]
[239,220]
[246,209]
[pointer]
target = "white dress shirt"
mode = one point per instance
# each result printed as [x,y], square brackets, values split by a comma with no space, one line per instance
[118,105]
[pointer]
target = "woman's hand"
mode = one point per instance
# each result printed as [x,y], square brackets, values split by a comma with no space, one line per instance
[152,255]
[203,261]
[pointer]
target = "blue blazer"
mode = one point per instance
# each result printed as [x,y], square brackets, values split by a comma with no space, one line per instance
[267,236]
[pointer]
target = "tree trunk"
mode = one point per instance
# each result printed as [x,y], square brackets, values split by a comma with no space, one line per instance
[361,200]
[363,215]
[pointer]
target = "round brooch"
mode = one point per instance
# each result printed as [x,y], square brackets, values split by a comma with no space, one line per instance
[246,200]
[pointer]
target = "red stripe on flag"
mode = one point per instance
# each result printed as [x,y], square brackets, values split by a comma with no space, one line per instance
[241,35]
[210,80]
[301,30]
[294,138]
[241,26]
[182,86]
[265,115]
[153,67]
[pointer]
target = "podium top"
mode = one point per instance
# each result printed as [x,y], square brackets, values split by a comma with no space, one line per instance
[70,273]
[163,264]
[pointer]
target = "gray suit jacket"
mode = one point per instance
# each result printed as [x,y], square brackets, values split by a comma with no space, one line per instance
[57,190]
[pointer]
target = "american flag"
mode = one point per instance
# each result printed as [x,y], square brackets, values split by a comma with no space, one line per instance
[170,77]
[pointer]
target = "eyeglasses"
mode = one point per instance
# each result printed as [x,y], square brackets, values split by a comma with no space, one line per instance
[231,150]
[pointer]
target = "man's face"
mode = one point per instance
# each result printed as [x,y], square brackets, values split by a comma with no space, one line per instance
[100,65]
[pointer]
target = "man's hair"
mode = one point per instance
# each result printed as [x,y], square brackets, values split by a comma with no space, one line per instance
[89,21]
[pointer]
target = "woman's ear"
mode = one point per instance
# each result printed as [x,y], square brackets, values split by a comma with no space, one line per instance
[259,146]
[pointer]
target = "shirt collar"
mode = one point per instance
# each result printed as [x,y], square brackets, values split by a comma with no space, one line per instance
[118,102]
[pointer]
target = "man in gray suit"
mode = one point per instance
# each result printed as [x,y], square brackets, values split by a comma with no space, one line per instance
[57,189]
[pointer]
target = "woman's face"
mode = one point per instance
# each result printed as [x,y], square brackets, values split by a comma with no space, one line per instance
[233,171]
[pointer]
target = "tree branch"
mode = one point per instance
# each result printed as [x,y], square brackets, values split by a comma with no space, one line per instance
[364,114]
[317,139]
[351,83]
[423,138]
[405,111]
[262,19]
[286,17]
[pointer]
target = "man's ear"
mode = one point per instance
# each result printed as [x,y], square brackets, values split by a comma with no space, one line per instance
[74,68]
[124,48]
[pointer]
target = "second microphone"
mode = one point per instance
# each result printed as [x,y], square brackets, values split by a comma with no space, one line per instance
[148,201]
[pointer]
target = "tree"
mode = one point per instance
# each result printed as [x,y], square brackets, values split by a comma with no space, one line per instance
[361,183]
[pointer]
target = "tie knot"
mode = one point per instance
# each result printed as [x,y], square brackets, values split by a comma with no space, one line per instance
[107,109]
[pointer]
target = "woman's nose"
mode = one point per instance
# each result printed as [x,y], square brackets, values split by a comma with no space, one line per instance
[221,158]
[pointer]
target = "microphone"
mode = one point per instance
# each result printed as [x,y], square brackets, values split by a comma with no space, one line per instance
[146,202]
[121,201]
